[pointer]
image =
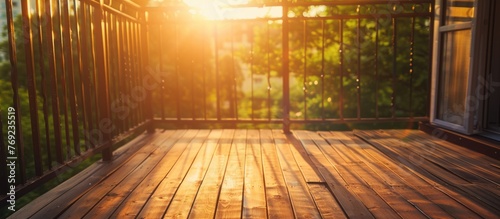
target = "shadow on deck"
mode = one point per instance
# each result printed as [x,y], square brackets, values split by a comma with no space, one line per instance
[264,173]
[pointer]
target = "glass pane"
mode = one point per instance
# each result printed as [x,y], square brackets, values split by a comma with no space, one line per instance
[454,76]
[459,11]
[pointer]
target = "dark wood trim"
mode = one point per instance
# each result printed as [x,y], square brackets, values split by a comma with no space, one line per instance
[476,143]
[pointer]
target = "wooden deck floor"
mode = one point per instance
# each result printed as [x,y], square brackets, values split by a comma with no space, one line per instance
[264,173]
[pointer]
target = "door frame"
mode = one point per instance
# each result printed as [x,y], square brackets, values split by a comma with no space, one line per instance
[474,103]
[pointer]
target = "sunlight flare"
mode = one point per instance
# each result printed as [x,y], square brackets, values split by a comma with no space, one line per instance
[226,10]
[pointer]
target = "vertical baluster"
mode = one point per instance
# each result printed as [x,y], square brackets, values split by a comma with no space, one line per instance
[412,42]
[126,72]
[304,85]
[268,55]
[62,61]
[86,72]
[15,89]
[53,83]
[341,70]
[430,60]
[94,54]
[68,56]
[377,79]
[192,69]
[39,10]
[120,77]
[134,119]
[82,77]
[204,69]
[323,69]
[111,59]
[177,69]
[161,94]
[133,74]
[134,83]
[144,39]
[136,75]
[102,79]
[217,87]
[137,71]
[108,51]
[285,68]
[134,116]
[32,94]
[394,67]
[131,84]
[358,73]
[233,70]
[252,76]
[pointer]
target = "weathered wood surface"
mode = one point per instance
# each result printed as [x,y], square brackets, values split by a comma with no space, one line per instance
[267,174]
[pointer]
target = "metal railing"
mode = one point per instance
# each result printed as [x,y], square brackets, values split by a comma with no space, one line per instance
[323,62]
[73,67]
[85,74]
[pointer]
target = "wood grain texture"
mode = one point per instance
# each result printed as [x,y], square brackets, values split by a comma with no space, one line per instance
[158,202]
[230,202]
[206,199]
[254,194]
[269,174]
[277,196]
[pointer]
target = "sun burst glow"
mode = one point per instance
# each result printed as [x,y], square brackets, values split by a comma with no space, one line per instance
[226,10]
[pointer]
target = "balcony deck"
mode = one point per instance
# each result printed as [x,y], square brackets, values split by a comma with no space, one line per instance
[265,173]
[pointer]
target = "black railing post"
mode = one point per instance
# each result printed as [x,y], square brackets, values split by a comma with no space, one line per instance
[145,66]
[285,70]
[105,123]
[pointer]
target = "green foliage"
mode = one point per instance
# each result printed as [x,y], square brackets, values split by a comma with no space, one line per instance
[369,67]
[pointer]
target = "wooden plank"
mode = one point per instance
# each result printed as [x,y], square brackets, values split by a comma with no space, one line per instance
[387,181]
[311,175]
[254,198]
[131,206]
[302,201]
[457,206]
[277,197]
[157,204]
[182,202]
[349,202]
[449,175]
[206,200]
[356,184]
[323,198]
[80,207]
[429,190]
[108,204]
[231,195]
[327,204]
[475,166]
[362,153]
[67,192]
[441,140]
[363,170]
